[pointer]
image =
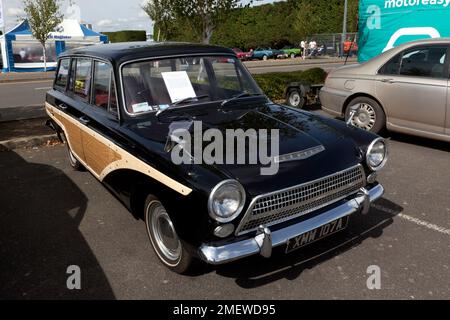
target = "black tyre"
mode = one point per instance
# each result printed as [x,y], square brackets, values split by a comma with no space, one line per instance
[295,98]
[74,163]
[264,57]
[369,114]
[293,55]
[169,248]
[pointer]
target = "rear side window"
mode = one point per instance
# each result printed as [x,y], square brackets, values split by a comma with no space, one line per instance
[62,75]
[424,62]
[83,77]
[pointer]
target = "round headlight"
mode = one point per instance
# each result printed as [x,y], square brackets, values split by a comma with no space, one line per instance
[377,154]
[226,201]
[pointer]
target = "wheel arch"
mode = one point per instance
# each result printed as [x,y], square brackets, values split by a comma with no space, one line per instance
[358,95]
[132,188]
[298,86]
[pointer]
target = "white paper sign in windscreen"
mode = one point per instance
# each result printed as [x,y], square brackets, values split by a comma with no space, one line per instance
[178,85]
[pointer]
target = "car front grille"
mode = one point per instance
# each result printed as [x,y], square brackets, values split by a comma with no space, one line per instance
[284,205]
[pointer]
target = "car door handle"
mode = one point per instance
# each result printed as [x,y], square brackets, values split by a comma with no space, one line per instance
[84,120]
[387,80]
[63,106]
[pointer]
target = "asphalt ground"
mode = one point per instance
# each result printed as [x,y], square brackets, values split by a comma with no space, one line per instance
[52,217]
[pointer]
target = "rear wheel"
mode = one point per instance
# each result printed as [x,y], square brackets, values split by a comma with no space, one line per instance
[169,248]
[369,114]
[295,98]
[292,55]
[265,58]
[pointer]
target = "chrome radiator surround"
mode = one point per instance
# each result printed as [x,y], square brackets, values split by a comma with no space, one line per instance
[293,202]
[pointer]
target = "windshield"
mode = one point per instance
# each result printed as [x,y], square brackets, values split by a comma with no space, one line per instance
[154,85]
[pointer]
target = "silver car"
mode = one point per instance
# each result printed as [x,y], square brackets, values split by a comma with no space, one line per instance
[405,89]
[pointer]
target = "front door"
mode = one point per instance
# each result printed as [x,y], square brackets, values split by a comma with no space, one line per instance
[413,89]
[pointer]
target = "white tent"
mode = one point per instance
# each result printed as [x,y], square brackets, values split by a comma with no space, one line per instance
[22,53]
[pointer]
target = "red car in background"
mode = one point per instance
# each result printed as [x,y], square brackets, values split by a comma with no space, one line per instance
[242,55]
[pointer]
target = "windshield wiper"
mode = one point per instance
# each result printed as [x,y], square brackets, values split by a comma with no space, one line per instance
[189,99]
[241,95]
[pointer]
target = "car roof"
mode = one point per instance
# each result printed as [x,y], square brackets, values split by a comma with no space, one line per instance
[118,53]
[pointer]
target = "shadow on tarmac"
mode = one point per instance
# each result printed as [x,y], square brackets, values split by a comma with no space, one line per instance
[40,213]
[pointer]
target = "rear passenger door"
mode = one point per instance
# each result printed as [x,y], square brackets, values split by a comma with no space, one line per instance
[64,108]
[413,88]
[100,120]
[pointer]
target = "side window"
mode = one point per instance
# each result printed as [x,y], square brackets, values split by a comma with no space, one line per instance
[62,75]
[102,80]
[83,77]
[424,62]
[392,67]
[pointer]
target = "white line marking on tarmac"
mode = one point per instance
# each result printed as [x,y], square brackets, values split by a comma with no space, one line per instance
[45,88]
[419,222]
[425,224]
[13,83]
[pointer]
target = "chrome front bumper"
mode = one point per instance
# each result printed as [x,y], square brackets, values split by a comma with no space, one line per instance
[266,240]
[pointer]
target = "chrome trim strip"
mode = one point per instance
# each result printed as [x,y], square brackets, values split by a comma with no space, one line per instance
[249,211]
[241,249]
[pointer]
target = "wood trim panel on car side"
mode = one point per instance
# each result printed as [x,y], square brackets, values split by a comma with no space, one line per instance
[110,156]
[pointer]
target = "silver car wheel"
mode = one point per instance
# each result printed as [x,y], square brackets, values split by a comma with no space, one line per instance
[294,98]
[365,118]
[166,238]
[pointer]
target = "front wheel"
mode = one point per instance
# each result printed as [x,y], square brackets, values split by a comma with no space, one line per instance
[368,114]
[167,245]
[292,55]
[265,58]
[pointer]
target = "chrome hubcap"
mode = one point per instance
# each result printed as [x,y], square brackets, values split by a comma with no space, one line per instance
[294,99]
[365,117]
[164,232]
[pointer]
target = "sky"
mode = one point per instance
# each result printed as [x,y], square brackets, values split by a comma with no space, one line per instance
[104,15]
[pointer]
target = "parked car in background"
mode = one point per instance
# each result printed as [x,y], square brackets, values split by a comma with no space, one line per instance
[292,52]
[243,56]
[262,54]
[405,89]
[118,106]
[279,54]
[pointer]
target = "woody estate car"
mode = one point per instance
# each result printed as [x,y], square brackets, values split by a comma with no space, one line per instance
[117,106]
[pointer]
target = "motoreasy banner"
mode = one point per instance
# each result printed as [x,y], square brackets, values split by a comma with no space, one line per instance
[384,24]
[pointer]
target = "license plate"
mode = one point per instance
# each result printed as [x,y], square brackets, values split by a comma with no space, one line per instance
[317,234]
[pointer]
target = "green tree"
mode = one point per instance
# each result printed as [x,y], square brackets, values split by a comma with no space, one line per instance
[324,16]
[161,13]
[200,16]
[43,16]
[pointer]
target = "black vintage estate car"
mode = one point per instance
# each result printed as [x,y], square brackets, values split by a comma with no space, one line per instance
[116,106]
